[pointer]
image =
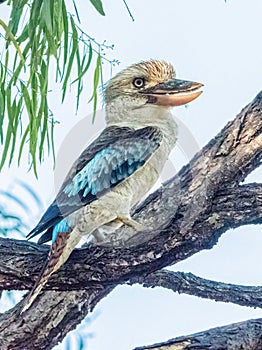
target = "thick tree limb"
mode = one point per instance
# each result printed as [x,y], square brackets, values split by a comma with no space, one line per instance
[183,218]
[188,283]
[243,335]
[18,270]
[55,317]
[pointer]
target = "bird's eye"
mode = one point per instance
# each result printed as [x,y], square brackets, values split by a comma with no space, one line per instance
[139,82]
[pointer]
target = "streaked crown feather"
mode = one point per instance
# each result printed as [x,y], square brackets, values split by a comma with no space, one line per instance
[153,71]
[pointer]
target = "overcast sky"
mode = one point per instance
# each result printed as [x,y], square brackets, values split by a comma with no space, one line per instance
[218,44]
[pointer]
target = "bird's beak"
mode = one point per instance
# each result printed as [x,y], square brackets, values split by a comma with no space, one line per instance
[174,92]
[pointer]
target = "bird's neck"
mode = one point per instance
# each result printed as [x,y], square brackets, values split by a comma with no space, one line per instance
[126,115]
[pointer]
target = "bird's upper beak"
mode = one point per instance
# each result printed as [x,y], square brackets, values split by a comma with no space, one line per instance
[174,92]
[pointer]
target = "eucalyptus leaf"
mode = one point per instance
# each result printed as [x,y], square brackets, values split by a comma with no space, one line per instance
[98,6]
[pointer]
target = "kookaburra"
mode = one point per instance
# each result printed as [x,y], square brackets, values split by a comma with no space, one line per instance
[117,169]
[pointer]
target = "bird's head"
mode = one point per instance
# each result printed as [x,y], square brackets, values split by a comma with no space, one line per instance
[150,83]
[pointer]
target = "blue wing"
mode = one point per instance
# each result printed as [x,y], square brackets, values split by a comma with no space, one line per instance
[115,155]
[109,167]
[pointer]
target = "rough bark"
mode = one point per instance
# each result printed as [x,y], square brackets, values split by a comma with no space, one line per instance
[18,269]
[188,283]
[243,335]
[187,214]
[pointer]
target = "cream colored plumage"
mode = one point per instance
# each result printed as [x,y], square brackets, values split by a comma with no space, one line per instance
[120,166]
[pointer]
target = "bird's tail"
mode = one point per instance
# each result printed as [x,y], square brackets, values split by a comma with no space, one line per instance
[59,252]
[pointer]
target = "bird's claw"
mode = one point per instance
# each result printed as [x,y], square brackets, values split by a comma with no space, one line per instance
[132,223]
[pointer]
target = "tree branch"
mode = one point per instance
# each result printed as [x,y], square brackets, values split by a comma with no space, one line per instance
[183,217]
[56,315]
[239,205]
[242,335]
[236,206]
[188,283]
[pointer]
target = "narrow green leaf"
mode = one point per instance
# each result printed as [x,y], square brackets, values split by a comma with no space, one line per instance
[24,35]
[43,133]
[46,15]
[97,75]
[9,108]
[94,107]
[52,46]
[15,16]
[65,24]
[16,111]
[90,54]
[6,67]
[98,6]
[23,140]
[71,58]
[79,91]
[34,164]
[79,71]
[34,92]
[6,146]
[78,61]
[27,100]
[43,109]
[57,18]
[33,126]
[52,139]
[10,36]
[17,72]
[2,110]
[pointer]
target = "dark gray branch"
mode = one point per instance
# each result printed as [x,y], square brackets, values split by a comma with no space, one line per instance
[239,205]
[56,315]
[188,283]
[242,335]
[232,207]
[183,218]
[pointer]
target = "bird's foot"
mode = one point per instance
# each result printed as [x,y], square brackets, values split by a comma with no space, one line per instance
[132,223]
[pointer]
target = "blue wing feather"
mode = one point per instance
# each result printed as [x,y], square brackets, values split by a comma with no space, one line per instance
[113,164]
[61,226]
[116,154]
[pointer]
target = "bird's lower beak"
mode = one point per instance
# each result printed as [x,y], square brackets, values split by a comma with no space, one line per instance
[173,92]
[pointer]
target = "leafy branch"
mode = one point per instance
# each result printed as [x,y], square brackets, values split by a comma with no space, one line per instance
[41,35]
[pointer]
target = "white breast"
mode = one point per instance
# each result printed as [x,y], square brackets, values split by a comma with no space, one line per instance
[140,183]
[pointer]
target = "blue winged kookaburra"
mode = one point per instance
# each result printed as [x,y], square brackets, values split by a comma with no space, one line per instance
[117,169]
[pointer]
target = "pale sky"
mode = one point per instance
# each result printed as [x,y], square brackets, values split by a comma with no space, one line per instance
[218,44]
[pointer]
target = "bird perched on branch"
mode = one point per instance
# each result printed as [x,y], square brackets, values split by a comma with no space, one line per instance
[117,169]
